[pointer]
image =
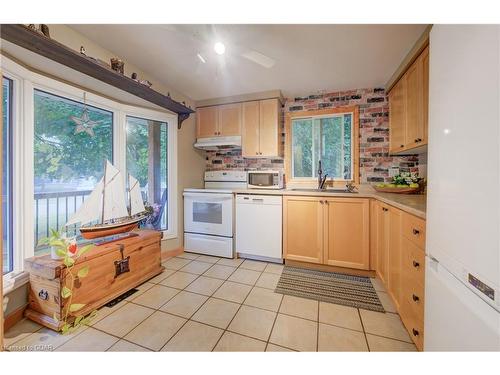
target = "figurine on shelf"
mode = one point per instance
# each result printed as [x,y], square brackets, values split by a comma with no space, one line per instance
[141,81]
[41,28]
[117,65]
[45,30]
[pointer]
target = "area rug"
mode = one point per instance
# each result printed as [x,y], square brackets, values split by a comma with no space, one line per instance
[339,288]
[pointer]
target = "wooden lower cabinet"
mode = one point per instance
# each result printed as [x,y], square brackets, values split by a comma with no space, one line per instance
[303,229]
[331,231]
[347,233]
[394,255]
[382,217]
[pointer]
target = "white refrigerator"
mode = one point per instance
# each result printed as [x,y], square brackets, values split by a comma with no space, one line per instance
[462,281]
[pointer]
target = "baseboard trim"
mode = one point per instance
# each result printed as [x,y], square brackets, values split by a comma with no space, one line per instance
[324,267]
[165,254]
[14,317]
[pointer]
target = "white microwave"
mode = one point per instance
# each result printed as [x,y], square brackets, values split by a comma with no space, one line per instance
[265,179]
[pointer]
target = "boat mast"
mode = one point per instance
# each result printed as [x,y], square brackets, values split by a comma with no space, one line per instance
[104,190]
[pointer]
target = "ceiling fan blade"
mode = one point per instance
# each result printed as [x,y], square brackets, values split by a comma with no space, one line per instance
[259,58]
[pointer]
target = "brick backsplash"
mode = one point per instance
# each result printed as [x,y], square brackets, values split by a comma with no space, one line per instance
[374,136]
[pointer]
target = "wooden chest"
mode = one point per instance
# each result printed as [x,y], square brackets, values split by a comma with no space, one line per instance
[103,282]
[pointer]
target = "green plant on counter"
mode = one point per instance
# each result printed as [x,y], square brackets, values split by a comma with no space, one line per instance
[402,180]
[70,253]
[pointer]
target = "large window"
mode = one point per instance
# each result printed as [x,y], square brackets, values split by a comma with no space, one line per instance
[146,155]
[7,245]
[325,137]
[57,139]
[69,157]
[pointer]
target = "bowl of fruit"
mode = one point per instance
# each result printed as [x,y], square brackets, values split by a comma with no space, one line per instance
[404,183]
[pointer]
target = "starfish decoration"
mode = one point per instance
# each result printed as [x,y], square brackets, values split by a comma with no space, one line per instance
[84,123]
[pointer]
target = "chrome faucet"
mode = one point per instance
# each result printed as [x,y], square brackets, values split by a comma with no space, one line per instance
[321,178]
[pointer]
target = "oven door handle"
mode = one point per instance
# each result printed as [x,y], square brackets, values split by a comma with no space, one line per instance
[209,196]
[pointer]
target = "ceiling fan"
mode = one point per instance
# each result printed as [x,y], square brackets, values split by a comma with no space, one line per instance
[212,36]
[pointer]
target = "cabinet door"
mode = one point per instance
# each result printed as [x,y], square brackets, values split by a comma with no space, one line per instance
[303,229]
[425,67]
[269,127]
[382,241]
[397,116]
[347,233]
[206,122]
[374,207]
[394,255]
[230,119]
[415,104]
[250,129]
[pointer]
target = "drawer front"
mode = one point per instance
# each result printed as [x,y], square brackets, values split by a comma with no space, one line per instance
[413,295]
[414,230]
[413,266]
[414,326]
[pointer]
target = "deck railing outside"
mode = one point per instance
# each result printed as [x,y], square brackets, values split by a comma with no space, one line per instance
[52,211]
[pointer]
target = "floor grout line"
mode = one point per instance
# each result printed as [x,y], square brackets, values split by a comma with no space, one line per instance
[364,332]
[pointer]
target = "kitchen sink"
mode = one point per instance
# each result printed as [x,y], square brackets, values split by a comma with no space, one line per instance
[325,190]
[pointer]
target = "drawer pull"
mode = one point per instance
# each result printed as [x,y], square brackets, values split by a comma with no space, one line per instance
[416,232]
[415,298]
[385,209]
[416,264]
[43,294]
[415,332]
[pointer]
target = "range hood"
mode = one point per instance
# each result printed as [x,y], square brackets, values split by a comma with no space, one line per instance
[218,143]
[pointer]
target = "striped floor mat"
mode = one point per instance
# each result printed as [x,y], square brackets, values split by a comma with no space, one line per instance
[347,290]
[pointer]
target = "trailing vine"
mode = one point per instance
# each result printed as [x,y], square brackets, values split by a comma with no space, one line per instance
[70,253]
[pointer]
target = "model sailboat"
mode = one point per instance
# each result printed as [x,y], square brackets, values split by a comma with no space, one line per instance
[107,205]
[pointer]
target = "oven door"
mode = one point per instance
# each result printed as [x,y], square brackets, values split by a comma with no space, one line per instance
[208,213]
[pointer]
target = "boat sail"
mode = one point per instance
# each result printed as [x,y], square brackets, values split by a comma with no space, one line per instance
[107,205]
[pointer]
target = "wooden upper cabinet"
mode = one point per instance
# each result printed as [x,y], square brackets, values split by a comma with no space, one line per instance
[347,233]
[425,69]
[229,120]
[207,119]
[250,129]
[303,229]
[394,255]
[269,127]
[408,106]
[414,104]
[397,116]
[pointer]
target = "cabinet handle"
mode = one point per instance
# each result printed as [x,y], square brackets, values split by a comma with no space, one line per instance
[385,209]
[401,146]
[43,294]
[321,202]
[414,331]
[416,232]
[416,264]
[256,153]
[419,139]
[415,298]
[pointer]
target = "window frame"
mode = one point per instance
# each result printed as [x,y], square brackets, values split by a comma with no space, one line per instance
[25,82]
[10,170]
[322,113]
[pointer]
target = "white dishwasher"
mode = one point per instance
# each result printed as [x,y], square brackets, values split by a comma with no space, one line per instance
[259,226]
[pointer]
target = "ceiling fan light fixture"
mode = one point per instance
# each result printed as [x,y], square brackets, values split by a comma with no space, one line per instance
[219,48]
[202,59]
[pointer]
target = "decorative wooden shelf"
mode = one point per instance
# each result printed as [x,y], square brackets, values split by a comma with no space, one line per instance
[53,50]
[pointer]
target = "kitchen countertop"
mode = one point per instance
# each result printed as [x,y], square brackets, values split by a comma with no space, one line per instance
[414,204]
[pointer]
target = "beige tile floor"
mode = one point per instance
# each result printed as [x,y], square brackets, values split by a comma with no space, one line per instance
[203,303]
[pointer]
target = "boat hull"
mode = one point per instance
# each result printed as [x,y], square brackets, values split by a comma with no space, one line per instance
[92,232]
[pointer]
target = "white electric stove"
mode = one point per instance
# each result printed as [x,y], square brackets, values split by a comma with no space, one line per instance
[209,214]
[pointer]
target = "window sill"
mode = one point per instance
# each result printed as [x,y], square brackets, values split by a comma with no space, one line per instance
[14,280]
